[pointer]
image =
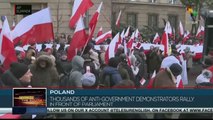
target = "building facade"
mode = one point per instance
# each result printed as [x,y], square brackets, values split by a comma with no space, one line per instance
[137,13]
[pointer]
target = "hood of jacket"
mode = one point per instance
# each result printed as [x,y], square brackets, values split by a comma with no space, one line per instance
[77,63]
[46,58]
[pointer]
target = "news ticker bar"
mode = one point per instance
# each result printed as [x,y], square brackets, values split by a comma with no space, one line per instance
[129,110]
[120,110]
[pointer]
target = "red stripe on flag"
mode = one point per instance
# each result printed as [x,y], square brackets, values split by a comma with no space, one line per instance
[37,34]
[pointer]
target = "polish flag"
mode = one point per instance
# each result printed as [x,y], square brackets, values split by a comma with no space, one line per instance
[127,32]
[93,22]
[121,37]
[181,30]
[179,82]
[35,28]
[110,52]
[79,9]
[151,81]
[0,26]
[7,50]
[186,37]
[200,31]
[78,40]
[168,28]
[165,40]
[137,33]
[118,20]
[100,32]
[156,39]
[131,40]
[103,37]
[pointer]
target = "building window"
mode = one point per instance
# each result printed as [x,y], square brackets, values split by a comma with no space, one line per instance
[152,1]
[132,19]
[153,20]
[172,1]
[173,19]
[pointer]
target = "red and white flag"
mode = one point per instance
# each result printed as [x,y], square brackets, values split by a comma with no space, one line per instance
[137,34]
[93,22]
[186,36]
[200,31]
[181,30]
[168,28]
[7,50]
[78,40]
[179,82]
[110,52]
[103,37]
[127,32]
[118,20]
[35,28]
[156,39]
[131,40]
[79,9]
[100,32]
[151,81]
[165,39]
[0,26]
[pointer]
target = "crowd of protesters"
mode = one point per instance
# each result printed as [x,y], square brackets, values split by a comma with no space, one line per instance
[49,67]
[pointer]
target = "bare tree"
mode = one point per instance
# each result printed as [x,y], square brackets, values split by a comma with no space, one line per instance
[58,18]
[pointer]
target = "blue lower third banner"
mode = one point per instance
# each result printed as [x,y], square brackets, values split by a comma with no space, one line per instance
[32,101]
[129,98]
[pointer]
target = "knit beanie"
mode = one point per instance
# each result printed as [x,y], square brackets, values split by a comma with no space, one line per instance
[176,69]
[18,69]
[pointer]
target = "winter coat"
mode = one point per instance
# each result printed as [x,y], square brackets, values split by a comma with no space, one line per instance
[164,79]
[154,62]
[44,77]
[76,72]
[113,78]
[189,59]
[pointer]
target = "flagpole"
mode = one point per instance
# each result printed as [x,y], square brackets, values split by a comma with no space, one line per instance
[88,39]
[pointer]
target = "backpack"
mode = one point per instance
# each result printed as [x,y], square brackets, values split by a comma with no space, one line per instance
[64,78]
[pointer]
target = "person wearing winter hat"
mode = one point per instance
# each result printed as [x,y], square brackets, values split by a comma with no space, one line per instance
[17,76]
[167,78]
[203,79]
[208,61]
[88,79]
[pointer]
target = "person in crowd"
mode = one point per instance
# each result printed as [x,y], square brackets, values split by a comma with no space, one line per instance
[44,72]
[18,75]
[207,62]
[20,56]
[88,79]
[43,47]
[202,82]
[123,63]
[101,55]
[189,57]
[63,65]
[69,38]
[154,61]
[110,75]
[77,72]
[30,55]
[167,78]
[49,51]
